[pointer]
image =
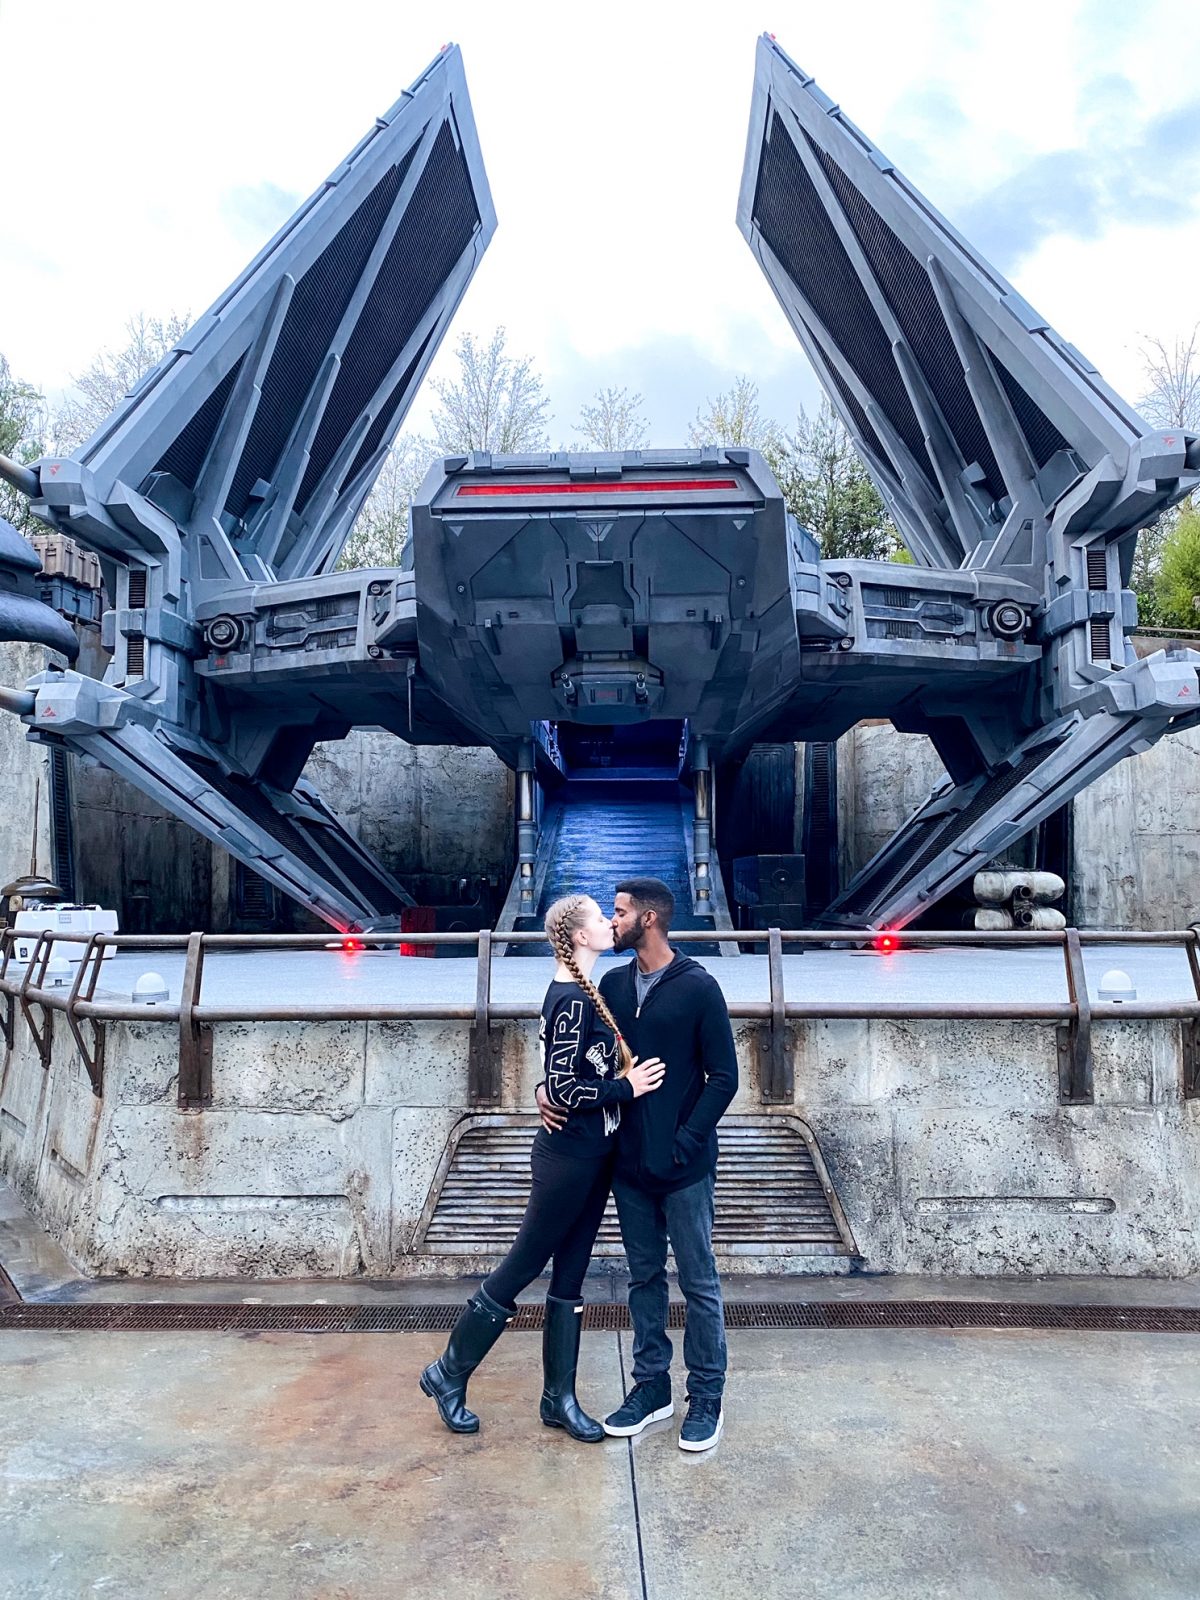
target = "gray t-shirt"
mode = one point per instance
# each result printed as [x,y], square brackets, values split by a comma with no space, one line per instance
[643,982]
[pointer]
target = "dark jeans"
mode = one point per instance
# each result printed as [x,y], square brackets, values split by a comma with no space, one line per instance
[566,1203]
[685,1219]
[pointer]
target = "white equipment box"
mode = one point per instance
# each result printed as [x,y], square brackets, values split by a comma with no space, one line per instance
[81,920]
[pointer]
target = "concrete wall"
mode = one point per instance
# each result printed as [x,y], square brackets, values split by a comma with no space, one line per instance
[945,1143]
[24,777]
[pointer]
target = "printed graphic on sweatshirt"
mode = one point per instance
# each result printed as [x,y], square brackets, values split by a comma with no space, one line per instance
[564,1055]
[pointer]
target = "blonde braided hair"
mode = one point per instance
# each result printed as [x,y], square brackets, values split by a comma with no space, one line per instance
[564,917]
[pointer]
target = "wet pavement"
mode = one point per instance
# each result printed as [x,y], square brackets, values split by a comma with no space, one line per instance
[889,1465]
[881,1464]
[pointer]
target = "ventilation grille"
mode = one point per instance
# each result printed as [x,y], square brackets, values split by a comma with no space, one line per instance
[135,656]
[61,834]
[1097,568]
[770,1195]
[840,1315]
[793,221]
[1101,639]
[137,588]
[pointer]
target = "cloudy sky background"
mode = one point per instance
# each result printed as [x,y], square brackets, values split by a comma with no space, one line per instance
[152,150]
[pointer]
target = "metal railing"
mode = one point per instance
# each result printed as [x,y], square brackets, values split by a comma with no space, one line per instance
[24,988]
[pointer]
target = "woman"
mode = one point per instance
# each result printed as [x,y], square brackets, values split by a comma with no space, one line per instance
[589,1075]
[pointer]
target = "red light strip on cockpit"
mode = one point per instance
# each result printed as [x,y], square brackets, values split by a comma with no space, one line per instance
[610,486]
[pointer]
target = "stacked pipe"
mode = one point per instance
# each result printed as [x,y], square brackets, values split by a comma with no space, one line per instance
[1018,900]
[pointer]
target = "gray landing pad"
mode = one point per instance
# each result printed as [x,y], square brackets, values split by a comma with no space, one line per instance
[311,977]
[897,1466]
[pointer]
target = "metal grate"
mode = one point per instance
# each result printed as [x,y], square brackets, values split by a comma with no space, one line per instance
[771,1197]
[744,1315]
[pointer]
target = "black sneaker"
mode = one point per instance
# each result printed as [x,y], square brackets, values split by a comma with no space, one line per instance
[645,1403]
[703,1423]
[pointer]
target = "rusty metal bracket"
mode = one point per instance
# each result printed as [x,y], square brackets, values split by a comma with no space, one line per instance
[88,974]
[1189,1027]
[1075,1086]
[776,1067]
[8,1015]
[483,1051]
[195,1039]
[39,961]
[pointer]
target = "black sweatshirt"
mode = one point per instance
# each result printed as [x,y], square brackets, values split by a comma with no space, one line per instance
[668,1138]
[580,1055]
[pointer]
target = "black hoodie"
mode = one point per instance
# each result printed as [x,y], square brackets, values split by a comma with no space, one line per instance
[667,1139]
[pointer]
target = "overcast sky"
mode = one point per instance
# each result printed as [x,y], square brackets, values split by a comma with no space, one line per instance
[151,149]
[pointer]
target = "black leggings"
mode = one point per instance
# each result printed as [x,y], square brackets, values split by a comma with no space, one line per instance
[566,1203]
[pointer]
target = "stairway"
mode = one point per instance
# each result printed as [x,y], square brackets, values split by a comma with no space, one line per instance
[613,829]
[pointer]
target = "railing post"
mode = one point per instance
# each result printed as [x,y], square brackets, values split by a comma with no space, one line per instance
[777,1071]
[8,1016]
[43,1037]
[483,1064]
[1189,1028]
[89,971]
[1075,1086]
[195,1040]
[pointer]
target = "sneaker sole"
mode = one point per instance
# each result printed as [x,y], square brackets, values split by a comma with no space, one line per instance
[703,1444]
[628,1433]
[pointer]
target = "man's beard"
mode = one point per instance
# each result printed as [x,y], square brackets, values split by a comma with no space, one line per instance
[631,938]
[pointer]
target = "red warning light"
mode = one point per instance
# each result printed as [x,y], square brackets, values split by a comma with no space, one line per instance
[352,944]
[886,942]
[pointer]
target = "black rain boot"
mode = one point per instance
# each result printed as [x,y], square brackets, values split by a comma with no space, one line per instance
[560,1357]
[473,1335]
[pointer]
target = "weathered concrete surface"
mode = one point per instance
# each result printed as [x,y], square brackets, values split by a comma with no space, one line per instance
[945,1143]
[419,808]
[23,773]
[895,1466]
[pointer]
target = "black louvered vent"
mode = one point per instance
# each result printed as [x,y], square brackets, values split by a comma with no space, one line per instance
[1043,437]
[135,656]
[908,291]
[434,232]
[794,223]
[255,896]
[62,841]
[1097,568]
[184,456]
[1101,639]
[137,588]
[308,331]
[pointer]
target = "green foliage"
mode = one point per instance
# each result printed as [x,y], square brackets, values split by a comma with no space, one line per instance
[828,489]
[23,425]
[1177,586]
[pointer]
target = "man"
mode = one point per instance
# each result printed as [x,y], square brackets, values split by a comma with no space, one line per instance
[666,1005]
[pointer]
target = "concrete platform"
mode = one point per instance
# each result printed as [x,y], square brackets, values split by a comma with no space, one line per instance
[320,976]
[887,1466]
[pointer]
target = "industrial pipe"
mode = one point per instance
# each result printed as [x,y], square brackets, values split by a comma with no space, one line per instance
[19,701]
[23,478]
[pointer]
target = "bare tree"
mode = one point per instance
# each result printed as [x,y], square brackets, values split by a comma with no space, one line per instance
[734,418]
[496,403]
[380,530]
[1172,397]
[113,373]
[615,421]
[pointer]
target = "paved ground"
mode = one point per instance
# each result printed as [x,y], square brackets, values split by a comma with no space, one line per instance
[887,1466]
[314,976]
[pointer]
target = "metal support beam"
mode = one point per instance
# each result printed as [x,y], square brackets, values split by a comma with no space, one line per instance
[526,826]
[1075,1037]
[701,823]
[1189,1027]
[43,1037]
[88,972]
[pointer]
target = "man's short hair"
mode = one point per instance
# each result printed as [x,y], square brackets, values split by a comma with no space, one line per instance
[650,894]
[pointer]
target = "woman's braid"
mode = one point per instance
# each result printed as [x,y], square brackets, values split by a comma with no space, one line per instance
[562,919]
